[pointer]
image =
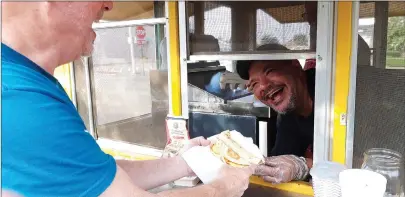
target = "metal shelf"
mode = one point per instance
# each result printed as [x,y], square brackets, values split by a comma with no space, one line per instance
[272,55]
[129,23]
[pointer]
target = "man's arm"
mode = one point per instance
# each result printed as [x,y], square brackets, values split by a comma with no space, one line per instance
[232,182]
[150,174]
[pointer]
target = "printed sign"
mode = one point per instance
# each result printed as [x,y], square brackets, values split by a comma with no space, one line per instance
[177,135]
[140,33]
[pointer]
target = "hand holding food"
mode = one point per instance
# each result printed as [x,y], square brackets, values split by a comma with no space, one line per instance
[233,181]
[282,169]
[230,149]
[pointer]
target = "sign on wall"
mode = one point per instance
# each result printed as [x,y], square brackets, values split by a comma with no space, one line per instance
[140,34]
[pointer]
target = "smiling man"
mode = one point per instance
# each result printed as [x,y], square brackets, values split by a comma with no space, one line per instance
[285,87]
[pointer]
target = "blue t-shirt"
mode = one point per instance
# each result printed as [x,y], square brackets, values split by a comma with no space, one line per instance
[46,151]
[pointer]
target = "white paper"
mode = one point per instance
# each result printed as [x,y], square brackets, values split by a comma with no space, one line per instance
[204,164]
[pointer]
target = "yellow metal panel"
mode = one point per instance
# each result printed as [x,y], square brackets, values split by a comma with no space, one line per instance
[174,57]
[342,77]
[296,187]
[63,74]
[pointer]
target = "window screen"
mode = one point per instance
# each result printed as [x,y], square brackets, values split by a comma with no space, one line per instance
[129,85]
[235,26]
[380,87]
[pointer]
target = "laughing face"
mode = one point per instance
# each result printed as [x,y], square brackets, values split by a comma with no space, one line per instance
[277,84]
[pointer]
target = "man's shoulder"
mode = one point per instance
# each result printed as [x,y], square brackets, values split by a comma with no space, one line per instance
[18,76]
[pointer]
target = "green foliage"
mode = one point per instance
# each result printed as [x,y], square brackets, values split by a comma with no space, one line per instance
[393,54]
[396,34]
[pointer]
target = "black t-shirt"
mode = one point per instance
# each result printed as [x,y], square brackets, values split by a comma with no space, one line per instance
[295,133]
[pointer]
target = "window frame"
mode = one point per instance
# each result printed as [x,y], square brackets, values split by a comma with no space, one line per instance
[324,86]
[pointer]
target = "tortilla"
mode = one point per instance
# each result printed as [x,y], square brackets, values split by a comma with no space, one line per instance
[233,151]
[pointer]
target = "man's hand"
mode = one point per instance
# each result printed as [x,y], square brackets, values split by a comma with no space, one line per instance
[282,169]
[198,141]
[233,181]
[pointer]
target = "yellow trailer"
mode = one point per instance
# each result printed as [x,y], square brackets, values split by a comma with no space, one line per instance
[350,115]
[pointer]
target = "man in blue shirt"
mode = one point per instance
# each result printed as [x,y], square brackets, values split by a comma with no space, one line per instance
[46,150]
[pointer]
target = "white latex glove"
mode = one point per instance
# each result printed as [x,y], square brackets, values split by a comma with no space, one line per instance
[282,169]
[232,80]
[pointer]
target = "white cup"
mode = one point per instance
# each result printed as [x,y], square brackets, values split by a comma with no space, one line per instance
[325,179]
[359,182]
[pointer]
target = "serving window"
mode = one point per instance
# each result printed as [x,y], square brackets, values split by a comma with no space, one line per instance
[379,93]
[122,88]
[221,33]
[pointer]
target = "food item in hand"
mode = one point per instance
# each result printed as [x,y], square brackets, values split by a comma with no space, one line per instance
[235,150]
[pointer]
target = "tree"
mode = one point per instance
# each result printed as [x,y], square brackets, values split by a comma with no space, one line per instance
[396,34]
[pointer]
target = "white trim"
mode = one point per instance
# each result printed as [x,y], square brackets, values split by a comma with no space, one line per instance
[169,78]
[254,56]
[183,58]
[128,23]
[332,105]
[73,84]
[86,65]
[128,148]
[352,86]
[323,85]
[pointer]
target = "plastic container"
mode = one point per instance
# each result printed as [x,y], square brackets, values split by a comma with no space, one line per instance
[388,163]
[360,182]
[325,179]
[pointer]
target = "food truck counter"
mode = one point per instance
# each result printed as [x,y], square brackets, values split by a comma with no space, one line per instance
[254,190]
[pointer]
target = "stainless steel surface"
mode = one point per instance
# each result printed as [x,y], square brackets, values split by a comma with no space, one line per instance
[271,55]
[351,102]
[128,23]
[147,130]
[324,78]
[196,94]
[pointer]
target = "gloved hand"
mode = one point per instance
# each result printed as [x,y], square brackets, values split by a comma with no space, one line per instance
[282,169]
[232,80]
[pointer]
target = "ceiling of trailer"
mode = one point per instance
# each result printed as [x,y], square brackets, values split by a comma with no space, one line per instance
[126,10]
[282,11]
